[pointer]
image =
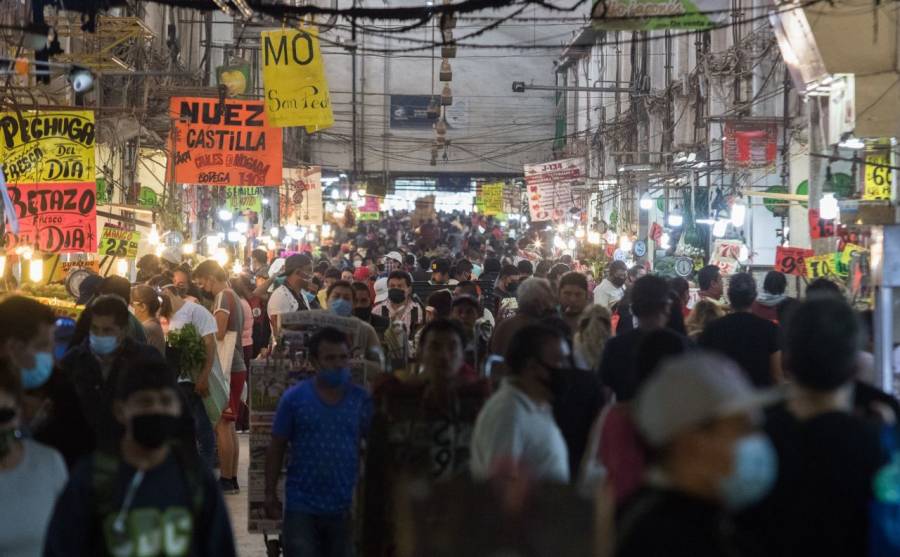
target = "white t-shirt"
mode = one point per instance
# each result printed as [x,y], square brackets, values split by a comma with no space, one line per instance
[511,426]
[606,294]
[196,315]
[282,300]
[28,493]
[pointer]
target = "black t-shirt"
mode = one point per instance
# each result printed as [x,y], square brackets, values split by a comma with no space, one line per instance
[617,365]
[819,505]
[657,522]
[575,413]
[162,520]
[746,339]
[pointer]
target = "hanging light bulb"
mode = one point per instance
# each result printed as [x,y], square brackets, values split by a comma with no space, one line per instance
[593,238]
[237,268]
[122,267]
[646,203]
[664,241]
[221,256]
[675,220]
[558,242]
[719,228]
[153,237]
[446,71]
[241,226]
[572,244]
[738,213]
[828,207]
[625,243]
[225,214]
[36,270]
[233,235]
[289,228]
[579,233]
[188,249]
[446,95]
[743,254]
[274,232]
[212,242]
[298,235]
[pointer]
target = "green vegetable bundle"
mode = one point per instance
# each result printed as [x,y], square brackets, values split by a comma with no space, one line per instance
[189,350]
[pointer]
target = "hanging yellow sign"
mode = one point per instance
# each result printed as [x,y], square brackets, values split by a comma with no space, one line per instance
[878,175]
[47,147]
[296,91]
[850,251]
[492,196]
[822,265]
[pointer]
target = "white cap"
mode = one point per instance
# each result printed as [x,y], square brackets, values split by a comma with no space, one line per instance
[690,390]
[172,255]
[395,255]
[381,290]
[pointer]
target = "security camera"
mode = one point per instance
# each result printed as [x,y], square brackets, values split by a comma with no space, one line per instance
[518,87]
[82,80]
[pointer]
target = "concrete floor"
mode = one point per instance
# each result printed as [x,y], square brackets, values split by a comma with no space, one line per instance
[248,545]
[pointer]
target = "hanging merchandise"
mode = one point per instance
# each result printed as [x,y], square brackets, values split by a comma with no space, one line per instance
[223,143]
[47,146]
[446,95]
[749,145]
[235,77]
[446,73]
[296,90]
[301,196]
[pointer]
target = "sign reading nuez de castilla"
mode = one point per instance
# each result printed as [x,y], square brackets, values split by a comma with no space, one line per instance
[226,143]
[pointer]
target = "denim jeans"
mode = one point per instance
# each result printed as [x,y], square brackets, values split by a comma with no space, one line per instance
[203,429]
[309,535]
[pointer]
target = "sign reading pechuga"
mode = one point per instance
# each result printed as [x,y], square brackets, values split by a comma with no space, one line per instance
[226,143]
[46,147]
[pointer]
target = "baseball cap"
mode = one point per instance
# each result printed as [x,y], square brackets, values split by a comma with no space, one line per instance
[88,288]
[440,266]
[295,262]
[466,299]
[381,290]
[395,255]
[171,255]
[689,390]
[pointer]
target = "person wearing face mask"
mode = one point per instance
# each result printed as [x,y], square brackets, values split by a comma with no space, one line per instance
[150,495]
[515,431]
[93,367]
[341,299]
[506,287]
[181,278]
[32,476]
[612,288]
[362,308]
[26,339]
[180,312]
[229,316]
[394,302]
[145,305]
[440,404]
[290,295]
[707,460]
[573,297]
[322,421]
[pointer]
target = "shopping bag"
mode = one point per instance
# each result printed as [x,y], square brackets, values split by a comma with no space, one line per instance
[219,378]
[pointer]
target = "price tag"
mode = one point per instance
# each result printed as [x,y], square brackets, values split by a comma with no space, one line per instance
[878,179]
[117,242]
[851,250]
[792,261]
[819,266]
[818,227]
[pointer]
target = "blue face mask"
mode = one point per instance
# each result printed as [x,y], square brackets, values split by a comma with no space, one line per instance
[340,307]
[335,377]
[103,346]
[754,468]
[36,376]
[476,270]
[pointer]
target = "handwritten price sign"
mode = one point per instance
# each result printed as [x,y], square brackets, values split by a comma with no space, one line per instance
[820,266]
[119,243]
[792,261]
[878,176]
[819,227]
[851,251]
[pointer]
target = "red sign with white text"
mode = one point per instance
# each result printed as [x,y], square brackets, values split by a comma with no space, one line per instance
[54,218]
[226,143]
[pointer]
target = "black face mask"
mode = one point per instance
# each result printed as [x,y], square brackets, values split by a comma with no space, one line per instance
[153,430]
[182,291]
[363,313]
[396,295]
[558,384]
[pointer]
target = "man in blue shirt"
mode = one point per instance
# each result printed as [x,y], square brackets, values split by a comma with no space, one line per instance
[323,419]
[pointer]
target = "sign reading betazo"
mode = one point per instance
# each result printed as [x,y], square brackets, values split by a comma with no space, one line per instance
[294,80]
[44,147]
[54,218]
[226,143]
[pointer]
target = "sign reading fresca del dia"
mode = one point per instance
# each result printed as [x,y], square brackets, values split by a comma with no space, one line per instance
[226,143]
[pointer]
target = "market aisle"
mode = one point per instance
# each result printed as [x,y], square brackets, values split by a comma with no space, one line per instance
[248,545]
